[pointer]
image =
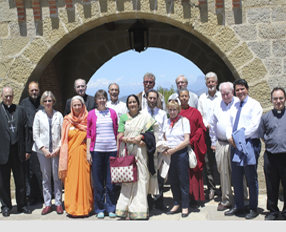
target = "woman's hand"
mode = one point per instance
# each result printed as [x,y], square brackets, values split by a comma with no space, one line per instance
[141,144]
[47,154]
[55,152]
[169,151]
[137,139]
[88,157]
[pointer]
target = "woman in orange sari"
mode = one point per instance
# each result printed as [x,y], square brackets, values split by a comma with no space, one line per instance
[74,170]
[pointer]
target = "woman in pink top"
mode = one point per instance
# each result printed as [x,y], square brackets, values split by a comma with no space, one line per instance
[102,129]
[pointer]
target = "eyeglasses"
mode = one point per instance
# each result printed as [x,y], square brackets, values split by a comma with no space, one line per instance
[278,98]
[181,82]
[225,94]
[150,82]
[47,100]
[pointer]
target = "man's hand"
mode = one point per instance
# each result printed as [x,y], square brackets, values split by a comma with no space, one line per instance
[213,148]
[231,141]
[28,155]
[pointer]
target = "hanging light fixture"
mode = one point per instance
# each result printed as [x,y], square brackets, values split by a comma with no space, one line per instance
[138,36]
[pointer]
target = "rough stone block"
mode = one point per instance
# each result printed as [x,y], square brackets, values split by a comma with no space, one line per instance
[274,66]
[13,46]
[37,45]
[258,15]
[272,31]
[279,48]
[21,69]
[254,71]
[278,14]
[240,55]
[4,32]
[277,81]
[246,32]
[261,48]
[261,92]
[225,40]
[5,65]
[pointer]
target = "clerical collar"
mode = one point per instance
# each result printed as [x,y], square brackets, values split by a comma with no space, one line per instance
[11,108]
[278,113]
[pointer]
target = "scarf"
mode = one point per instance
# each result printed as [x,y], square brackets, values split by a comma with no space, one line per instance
[80,123]
[173,121]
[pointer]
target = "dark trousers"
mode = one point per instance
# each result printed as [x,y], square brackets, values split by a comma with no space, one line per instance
[104,192]
[34,188]
[18,169]
[275,170]
[210,162]
[250,172]
[179,177]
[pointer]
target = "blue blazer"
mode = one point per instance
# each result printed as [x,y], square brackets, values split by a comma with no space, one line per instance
[243,153]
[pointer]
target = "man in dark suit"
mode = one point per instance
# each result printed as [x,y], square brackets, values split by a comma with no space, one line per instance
[34,188]
[80,88]
[16,148]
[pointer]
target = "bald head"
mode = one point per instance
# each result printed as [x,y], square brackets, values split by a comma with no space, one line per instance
[7,95]
[226,89]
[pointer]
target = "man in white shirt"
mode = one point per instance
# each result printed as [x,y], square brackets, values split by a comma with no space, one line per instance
[206,106]
[149,83]
[182,83]
[242,134]
[219,142]
[114,103]
[161,119]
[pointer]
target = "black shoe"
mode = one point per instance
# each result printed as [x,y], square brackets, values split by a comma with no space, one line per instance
[235,211]
[252,214]
[271,216]
[25,210]
[185,215]
[5,212]
[174,212]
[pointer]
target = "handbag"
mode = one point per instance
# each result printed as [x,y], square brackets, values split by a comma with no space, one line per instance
[192,156]
[123,169]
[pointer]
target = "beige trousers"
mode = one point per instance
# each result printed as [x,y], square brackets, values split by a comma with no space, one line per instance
[223,161]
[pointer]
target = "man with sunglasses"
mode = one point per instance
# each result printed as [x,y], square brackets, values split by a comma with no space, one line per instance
[34,187]
[149,83]
[80,89]
[272,130]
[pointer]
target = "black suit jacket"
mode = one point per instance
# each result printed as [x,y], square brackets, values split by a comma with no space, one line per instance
[24,139]
[88,101]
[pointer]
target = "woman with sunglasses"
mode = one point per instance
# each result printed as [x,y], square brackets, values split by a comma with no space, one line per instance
[177,135]
[198,144]
[47,142]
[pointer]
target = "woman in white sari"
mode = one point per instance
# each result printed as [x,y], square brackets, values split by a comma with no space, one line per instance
[132,201]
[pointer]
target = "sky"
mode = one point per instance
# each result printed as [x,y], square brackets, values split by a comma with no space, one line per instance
[128,68]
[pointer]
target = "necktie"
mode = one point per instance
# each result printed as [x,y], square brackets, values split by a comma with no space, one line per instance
[152,113]
[237,117]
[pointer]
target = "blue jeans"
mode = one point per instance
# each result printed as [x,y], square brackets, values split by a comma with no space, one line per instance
[104,193]
[179,177]
[250,172]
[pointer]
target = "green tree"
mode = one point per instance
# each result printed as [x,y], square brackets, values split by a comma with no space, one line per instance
[166,92]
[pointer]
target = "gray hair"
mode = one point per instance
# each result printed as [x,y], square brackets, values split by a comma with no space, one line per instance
[7,87]
[48,94]
[186,80]
[78,98]
[209,75]
[148,74]
[113,84]
[229,84]
[79,80]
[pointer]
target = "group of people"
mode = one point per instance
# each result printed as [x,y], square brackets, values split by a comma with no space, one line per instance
[48,152]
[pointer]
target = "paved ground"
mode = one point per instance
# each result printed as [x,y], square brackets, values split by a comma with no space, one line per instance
[205,212]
